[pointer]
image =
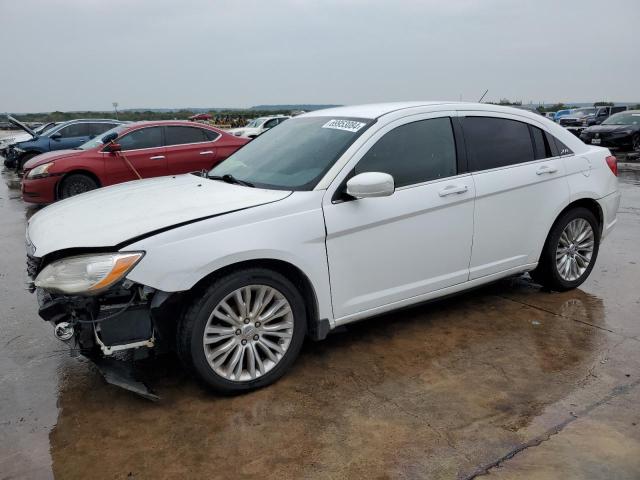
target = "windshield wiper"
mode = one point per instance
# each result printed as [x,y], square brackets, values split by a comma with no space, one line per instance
[228,178]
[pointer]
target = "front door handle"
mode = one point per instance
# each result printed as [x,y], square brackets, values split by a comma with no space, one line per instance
[207,152]
[546,169]
[452,190]
[157,157]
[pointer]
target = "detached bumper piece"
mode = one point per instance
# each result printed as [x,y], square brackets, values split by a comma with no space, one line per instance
[121,374]
[106,328]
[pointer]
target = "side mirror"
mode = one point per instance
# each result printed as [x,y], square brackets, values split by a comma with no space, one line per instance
[56,136]
[112,147]
[110,137]
[371,184]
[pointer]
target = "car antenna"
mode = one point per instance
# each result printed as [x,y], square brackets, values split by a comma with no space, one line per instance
[485,92]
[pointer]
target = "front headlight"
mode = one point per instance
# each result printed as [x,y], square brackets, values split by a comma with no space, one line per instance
[40,171]
[18,150]
[86,274]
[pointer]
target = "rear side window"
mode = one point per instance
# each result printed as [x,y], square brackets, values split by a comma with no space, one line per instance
[182,135]
[98,128]
[143,138]
[75,130]
[414,153]
[496,142]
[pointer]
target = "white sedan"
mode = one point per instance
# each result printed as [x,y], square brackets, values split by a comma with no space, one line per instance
[335,216]
[258,126]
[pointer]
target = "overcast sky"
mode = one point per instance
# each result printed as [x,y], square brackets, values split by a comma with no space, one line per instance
[85,54]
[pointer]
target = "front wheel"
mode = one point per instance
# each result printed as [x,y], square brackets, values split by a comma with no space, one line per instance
[570,251]
[635,143]
[243,332]
[76,184]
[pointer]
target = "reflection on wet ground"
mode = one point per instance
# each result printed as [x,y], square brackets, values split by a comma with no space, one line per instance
[508,379]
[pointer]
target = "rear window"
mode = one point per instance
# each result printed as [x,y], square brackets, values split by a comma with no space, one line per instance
[496,142]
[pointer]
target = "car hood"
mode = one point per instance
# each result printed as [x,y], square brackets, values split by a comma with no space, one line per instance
[19,124]
[11,139]
[611,128]
[112,216]
[51,156]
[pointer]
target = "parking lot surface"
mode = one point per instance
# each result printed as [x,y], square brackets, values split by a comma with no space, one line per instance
[508,380]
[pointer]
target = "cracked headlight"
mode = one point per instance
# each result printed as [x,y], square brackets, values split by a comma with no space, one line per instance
[86,274]
[40,171]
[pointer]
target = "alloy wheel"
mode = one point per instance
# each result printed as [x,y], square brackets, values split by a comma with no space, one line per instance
[575,249]
[248,333]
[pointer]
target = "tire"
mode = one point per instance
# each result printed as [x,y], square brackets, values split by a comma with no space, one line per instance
[635,143]
[76,184]
[562,267]
[228,377]
[24,159]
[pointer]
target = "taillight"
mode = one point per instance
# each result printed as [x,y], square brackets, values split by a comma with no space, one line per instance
[612,161]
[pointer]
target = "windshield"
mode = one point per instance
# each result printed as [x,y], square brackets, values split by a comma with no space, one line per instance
[255,123]
[625,118]
[43,128]
[583,111]
[97,141]
[295,154]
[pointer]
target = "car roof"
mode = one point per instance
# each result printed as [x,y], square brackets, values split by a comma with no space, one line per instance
[377,110]
[175,123]
[78,120]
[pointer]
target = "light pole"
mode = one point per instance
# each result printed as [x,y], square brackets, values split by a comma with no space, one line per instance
[115,108]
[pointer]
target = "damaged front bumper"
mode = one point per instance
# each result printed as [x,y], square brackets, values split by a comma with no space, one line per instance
[124,324]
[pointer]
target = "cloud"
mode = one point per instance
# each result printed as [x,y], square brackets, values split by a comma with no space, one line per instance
[84,54]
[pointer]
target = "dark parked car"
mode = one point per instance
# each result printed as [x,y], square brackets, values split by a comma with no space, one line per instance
[582,118]
[621,130]
[67,135]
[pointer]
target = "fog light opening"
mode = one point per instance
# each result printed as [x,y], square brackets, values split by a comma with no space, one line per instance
[63,331]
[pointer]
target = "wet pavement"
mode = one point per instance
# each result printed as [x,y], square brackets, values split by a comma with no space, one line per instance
[507,381]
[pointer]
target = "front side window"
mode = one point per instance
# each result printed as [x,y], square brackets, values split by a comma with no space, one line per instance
[413,153]
[143,138]
[183,135]
[271,123]
[496,142]
[295,155]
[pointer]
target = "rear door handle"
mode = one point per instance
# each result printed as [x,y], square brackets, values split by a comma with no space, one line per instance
[157,157]
[546,169]
[452,190]
[208,152]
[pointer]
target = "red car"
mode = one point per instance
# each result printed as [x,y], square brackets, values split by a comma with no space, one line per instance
[128,152]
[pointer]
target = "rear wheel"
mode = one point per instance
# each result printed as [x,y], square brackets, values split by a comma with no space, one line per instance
[76,184]
[570,251]
[243,332]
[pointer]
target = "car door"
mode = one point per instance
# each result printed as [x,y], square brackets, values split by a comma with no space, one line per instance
[392,249]
[70,136]
[190,149]
[520,184]
[142,151]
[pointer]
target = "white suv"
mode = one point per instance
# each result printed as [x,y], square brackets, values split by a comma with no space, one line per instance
[336,216]
[258,126]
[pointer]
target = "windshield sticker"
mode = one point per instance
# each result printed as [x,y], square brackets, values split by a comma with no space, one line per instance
[347,125]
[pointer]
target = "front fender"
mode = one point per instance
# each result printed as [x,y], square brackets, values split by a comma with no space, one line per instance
[291,230]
